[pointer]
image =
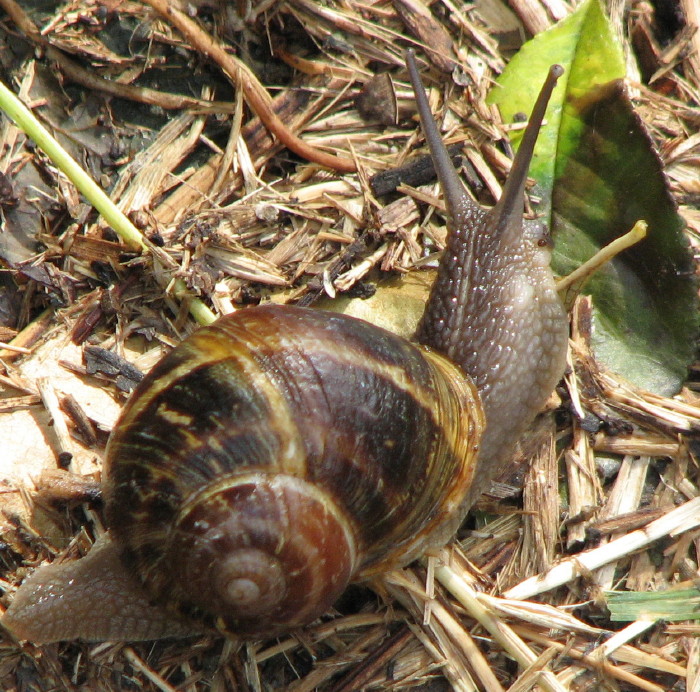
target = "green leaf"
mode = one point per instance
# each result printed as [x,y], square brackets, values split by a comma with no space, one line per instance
[672,605]
[584,45]
[597,174]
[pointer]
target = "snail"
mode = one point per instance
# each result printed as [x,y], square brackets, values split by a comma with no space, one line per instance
[281,453]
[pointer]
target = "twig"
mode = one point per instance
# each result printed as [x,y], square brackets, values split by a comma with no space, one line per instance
[50,400]
[29,335]
[14,349]
[570,285]
[681,519]
[498,629]
[94,82]
[362,673]
[254,93]
[605,667]
[138,663]
[444,637]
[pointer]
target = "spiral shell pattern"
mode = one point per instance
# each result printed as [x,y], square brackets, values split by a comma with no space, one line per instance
[280,453]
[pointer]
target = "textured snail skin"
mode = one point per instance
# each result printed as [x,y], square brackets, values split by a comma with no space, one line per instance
[500,320]
[280,453]
[44,610]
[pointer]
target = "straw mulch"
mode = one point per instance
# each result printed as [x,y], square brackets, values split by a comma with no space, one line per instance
[239,217]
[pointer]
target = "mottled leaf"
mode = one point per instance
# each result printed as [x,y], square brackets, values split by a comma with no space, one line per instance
[597,173]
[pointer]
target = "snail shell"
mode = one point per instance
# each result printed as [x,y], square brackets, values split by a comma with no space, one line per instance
[280,453]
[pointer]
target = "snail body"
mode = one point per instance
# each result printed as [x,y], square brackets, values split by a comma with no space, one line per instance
[281,453]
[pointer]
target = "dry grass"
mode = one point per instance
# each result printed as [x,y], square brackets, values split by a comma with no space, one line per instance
[239,218]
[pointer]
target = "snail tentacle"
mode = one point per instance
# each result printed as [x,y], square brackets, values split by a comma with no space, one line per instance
[494,309]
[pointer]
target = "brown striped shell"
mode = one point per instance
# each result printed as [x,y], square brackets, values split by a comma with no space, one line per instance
[281,453]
